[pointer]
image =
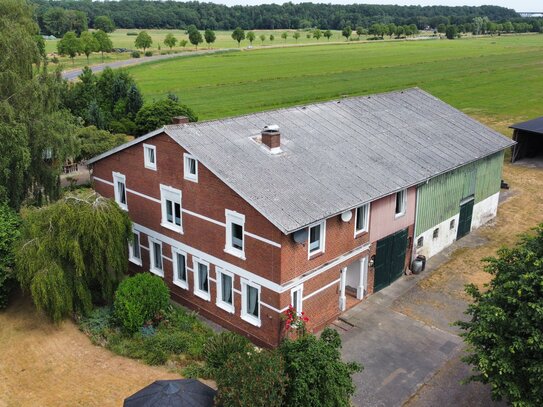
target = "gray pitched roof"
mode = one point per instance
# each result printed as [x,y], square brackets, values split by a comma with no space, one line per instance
[339,154]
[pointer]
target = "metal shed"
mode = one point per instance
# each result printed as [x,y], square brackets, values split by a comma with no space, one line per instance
[529,138]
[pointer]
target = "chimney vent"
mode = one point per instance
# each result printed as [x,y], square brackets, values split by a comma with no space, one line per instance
[180,120]
[271,138]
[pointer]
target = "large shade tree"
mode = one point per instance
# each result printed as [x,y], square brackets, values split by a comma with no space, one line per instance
[505,331]
[34,129]
[71,252]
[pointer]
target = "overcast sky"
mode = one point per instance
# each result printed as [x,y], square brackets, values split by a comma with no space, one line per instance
[518,5]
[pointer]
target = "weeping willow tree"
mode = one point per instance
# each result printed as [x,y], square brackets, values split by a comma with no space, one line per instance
[71,252]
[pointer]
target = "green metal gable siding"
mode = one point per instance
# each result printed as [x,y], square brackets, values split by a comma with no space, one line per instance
[439,199]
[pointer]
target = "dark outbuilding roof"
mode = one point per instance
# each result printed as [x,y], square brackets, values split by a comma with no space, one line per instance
[335,155]
[534,125]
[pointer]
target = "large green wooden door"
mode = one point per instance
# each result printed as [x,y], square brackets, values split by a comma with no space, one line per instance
[464,222]
[389,259]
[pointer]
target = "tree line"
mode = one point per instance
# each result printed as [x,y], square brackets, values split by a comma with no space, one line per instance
[179,15]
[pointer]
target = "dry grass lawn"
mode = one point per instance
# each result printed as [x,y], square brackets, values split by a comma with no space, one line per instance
[45,365]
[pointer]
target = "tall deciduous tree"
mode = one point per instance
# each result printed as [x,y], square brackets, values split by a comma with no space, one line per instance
[170,40]
[238,35]
[284,36]
[346,32]
[69,45]
[9,232]
[157,114]
[317,34]
[328,34]
[262,38]
[71,248]
[104,23]
[209,36]
[195,36]
[143,40]
[505,332]
[250,37]
[88,43]
[104,42]
[296,35]
[34,129]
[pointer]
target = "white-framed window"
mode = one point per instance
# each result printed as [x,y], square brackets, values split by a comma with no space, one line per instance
[401,203]
[190,167]
[149,155]
[225,290]
[250,303]
[119,189]
[134,249]
[155,260]
[361,219]
[201,279]
[316,238]
[296,298]
[180,272]
[171,208]
[235,230]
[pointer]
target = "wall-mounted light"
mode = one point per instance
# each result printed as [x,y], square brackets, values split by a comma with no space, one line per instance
[372,261]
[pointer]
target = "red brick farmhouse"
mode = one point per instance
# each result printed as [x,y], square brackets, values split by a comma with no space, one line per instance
[313,206]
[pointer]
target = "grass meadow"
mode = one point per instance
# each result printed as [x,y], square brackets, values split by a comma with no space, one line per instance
[497,79]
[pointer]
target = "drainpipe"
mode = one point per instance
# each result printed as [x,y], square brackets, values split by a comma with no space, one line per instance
[342,297]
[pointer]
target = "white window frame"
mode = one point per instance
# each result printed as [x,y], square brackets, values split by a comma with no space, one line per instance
[220,302]
[131,257]
[148,164]
[177,281]
[186,173]
[152,254]
[239,219]
[300,291]
[200,293]
[358,232]
[175,196]
[403,202]
[322,239]
[244,296]
[120,178]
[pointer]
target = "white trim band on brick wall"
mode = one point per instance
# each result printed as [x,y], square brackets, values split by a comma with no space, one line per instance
[197,215]
[322,289]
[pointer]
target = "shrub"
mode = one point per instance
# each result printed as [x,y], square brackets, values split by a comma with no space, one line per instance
[317,375]
[504,334]
[220,347]
[153,116]
[55,60]
[9,225]
[132,33]
[148,53]
[140,299]
[135,54]
[253,379]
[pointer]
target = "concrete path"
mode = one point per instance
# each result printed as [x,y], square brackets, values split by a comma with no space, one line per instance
[71,75]
[412,358]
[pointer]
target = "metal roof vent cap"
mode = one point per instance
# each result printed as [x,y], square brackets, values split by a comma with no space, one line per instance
[271,138]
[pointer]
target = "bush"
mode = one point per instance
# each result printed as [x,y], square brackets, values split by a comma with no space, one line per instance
[132,33]
[9,226]
[139,299]
[148,53]
[504,334]
[153,116]
[135,54]
[317,375]
[220,347]
[255,379]
[55,60]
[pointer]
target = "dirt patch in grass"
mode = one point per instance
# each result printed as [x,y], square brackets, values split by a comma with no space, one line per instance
[45,365]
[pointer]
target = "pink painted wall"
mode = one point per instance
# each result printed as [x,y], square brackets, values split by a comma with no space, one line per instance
[382,221]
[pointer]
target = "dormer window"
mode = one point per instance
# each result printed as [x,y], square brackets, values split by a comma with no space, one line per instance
[149,153]
[191,168]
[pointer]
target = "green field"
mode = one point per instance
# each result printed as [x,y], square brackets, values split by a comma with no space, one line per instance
[120,39]
[496,79]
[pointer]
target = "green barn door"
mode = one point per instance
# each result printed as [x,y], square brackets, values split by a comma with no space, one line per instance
[389,259]
[464,222]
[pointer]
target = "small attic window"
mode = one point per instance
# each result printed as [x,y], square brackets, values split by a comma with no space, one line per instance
[436,233]
[452,224]
[191,168]
[420,242]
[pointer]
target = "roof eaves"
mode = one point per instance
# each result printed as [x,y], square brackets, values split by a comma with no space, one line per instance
[125,145]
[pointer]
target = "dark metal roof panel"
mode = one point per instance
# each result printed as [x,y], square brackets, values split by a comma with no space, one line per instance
[534,125]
